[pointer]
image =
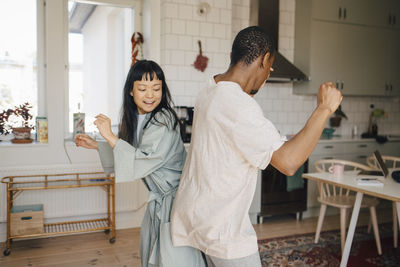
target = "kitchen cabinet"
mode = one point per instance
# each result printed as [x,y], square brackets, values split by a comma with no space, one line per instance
[393,54]
[385,13]
[360,60]
[380,13]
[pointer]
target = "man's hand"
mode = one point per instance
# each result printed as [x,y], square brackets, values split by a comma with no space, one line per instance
[85,141]
[329,97]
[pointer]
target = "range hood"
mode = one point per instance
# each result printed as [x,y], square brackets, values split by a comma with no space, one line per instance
[265,13]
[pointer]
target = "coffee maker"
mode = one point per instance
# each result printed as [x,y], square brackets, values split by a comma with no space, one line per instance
[185,116]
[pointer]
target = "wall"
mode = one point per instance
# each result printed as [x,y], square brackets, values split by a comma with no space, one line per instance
[182,27]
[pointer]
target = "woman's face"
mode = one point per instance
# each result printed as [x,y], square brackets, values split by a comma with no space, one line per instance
[147,94]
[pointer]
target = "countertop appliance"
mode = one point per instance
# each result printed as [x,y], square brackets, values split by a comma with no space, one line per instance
[185,116]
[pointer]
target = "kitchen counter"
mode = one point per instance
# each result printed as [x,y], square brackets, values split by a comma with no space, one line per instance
[341,139]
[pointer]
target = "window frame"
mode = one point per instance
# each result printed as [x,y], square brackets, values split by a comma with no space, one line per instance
[134,4]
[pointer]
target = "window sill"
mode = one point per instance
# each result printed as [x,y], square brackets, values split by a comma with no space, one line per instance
[6,143]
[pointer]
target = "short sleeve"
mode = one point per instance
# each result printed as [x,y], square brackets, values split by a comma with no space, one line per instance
[255,137]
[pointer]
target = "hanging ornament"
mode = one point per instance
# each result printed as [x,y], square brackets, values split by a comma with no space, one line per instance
[137,41]
[201,61]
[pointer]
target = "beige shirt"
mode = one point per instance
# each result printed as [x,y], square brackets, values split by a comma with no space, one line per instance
[231,140]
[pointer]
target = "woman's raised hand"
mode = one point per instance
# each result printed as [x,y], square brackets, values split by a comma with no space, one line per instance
[103,123]
[85,141]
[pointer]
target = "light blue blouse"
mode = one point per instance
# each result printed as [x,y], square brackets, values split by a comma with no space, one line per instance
[158,160]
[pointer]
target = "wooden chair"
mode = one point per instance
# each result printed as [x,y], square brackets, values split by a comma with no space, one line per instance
[334,196]
[391,163]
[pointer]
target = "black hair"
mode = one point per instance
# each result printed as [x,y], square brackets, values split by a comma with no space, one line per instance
[249,44]
[128,123]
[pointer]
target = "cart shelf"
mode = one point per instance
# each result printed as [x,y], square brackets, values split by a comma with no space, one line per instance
[18,184]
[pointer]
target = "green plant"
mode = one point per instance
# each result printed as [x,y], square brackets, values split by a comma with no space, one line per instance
[21,114]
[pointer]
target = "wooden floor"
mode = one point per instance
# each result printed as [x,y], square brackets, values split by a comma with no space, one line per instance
[95,250]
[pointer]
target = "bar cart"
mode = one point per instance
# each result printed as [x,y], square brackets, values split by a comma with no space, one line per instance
[18,184]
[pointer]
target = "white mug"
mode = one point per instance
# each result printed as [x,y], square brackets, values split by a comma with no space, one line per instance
[337,170]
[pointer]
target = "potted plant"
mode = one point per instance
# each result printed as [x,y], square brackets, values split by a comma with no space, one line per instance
[335,120]
[374,115]
[18,121]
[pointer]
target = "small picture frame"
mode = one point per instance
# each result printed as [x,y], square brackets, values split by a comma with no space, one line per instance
[79,123]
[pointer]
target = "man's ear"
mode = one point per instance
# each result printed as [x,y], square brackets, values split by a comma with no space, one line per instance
[266,59]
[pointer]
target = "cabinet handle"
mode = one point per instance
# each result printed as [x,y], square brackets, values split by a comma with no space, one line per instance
[329,147]
[328,158]
[337,85]
[363,145]
[362,157]
[340,12]
[344,13]
[342,85]
[391,87]
[390,19]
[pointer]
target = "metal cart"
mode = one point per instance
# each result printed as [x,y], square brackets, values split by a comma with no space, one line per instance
[18,184]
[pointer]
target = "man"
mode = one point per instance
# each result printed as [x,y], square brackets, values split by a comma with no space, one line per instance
[231,141]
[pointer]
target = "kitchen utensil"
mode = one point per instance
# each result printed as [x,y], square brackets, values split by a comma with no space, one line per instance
[201,61]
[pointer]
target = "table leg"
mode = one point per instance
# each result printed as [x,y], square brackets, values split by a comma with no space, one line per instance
[398,212]
[352,228]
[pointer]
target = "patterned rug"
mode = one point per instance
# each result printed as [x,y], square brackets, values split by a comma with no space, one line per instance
[300,250]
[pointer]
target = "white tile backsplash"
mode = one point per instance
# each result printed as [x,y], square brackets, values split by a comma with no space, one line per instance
[169,10]
[182,27]
[185,12]
[185,42]
[178,26]
[192,28]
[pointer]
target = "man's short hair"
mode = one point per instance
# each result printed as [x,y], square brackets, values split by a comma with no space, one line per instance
[249,44]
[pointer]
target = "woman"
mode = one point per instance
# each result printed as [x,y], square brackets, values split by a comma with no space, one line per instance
[148,147]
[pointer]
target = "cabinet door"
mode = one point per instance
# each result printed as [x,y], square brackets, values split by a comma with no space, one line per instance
[380,13]
[362,12]
[327,10]
[323,57]
[394,62]
[357,11]
[394,7]
[362,66]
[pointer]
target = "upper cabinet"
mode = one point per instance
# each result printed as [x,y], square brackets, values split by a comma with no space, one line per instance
[382,13]
[393,55]
[339,46]
[345,11]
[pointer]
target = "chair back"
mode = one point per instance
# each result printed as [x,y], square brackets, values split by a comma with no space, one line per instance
[323,165]
[390,161]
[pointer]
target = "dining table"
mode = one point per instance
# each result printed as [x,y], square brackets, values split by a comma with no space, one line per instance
[390,191]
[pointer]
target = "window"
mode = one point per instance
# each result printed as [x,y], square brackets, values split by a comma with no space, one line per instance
[18,53]
[99,59]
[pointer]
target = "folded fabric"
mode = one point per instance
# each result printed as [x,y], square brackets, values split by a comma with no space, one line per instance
[295,181]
